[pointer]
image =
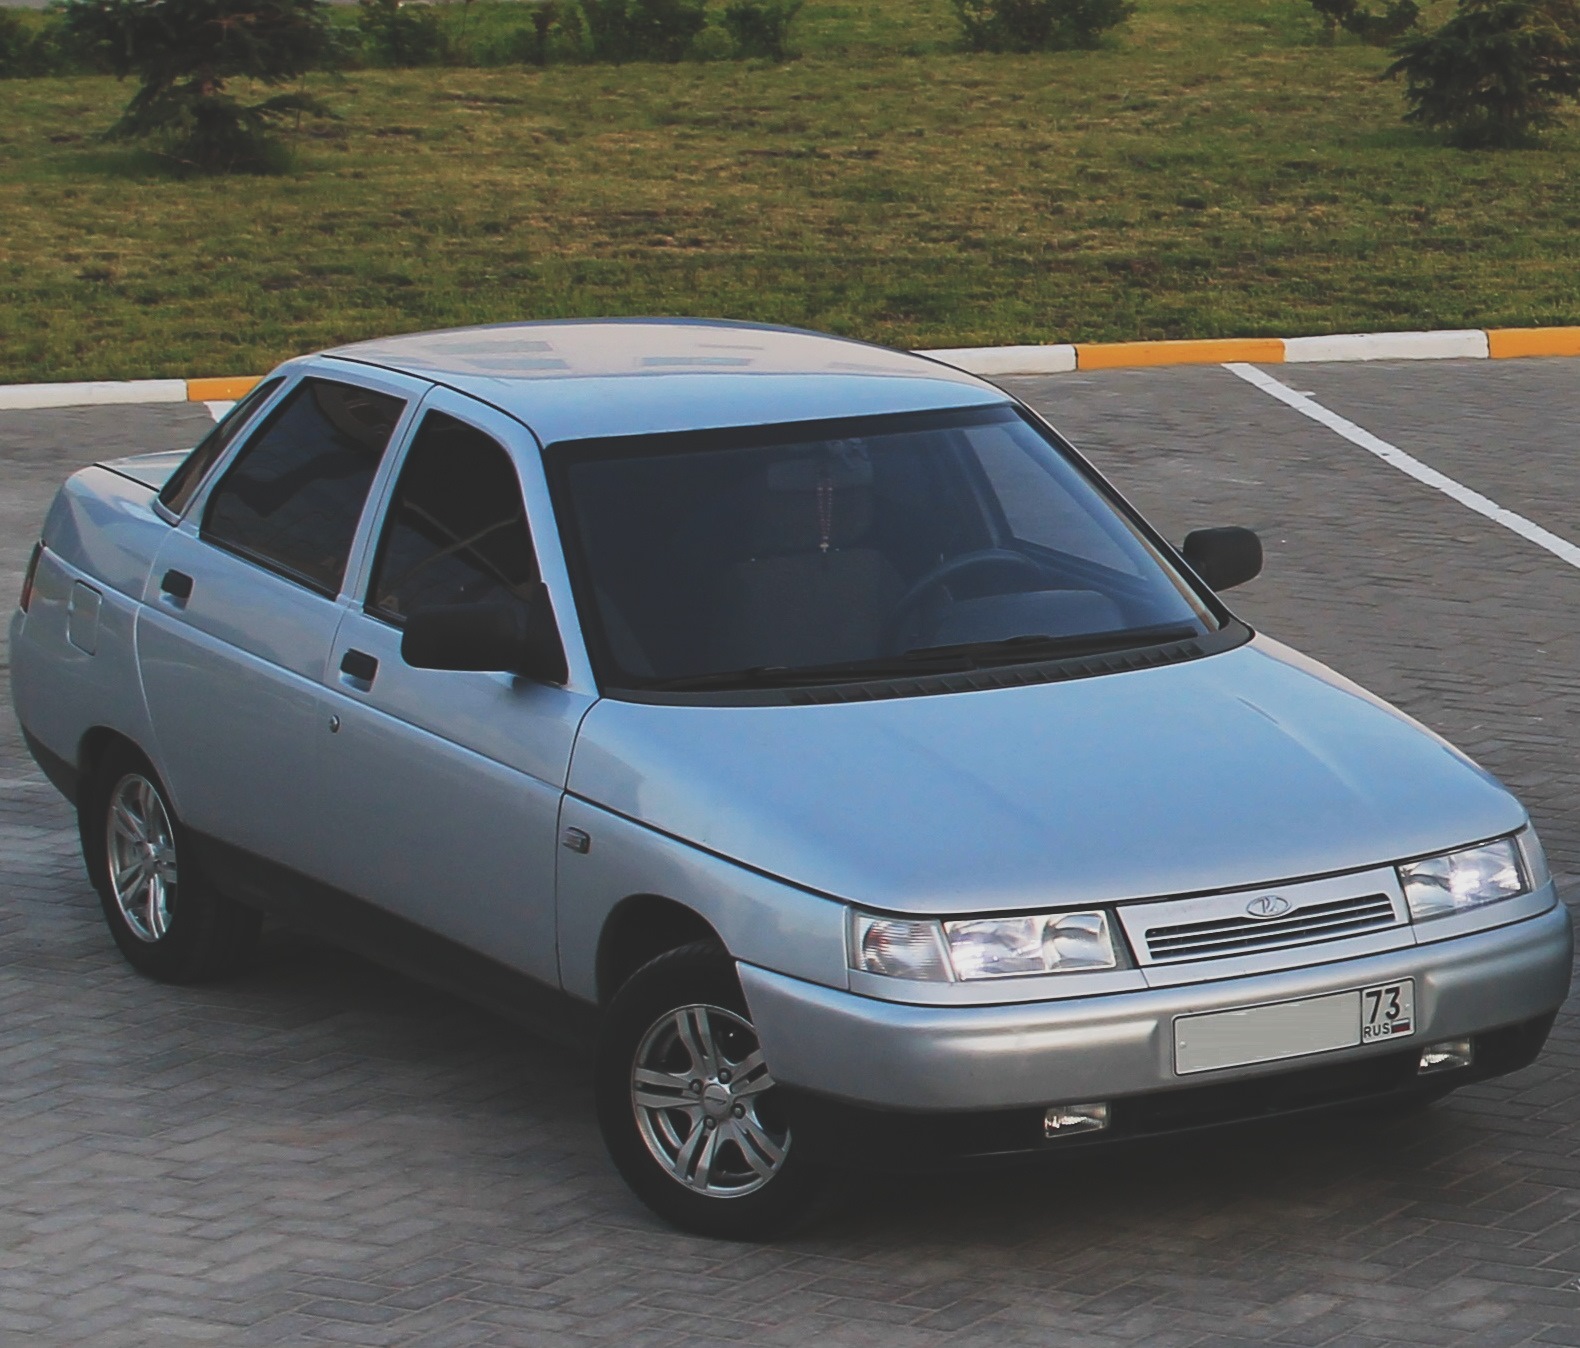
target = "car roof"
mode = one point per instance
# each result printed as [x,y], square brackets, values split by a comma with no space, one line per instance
[577,379]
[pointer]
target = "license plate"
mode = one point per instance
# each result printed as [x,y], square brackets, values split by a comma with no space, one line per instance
[1388,1011]
[1278,1030]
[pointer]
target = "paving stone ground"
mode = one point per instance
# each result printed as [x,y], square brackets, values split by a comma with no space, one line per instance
[326,1153]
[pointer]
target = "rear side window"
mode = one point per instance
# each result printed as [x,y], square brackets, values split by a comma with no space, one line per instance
[177,492]
[292,499]
[456,531]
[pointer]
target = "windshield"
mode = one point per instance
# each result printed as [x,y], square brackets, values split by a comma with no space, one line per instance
[835,551]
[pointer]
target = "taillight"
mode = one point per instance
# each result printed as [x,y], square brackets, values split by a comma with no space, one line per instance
[27,576]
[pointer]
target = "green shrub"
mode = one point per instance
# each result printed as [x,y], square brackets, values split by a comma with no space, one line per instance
[761,27]
[1039,25]
[31,45]
[398,34]
[183,52]
[713,43]
[632,30]
[553,32]
[16,46]
[1380,27]
[1495,73]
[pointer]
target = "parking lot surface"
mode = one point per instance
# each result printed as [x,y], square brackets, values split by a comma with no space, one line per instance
[325,1153]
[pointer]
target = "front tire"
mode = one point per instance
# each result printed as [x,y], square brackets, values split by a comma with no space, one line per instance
[687,1107]
[167,918]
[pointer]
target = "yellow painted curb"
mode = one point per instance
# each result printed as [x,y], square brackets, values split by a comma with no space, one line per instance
[220,390]
[1505,342]
[989,361]
[1209,351]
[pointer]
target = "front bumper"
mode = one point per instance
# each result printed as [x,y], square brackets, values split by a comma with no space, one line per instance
[859,1051]
[840,1134]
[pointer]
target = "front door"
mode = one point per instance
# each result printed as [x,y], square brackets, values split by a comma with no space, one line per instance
[443,786]
[242,607]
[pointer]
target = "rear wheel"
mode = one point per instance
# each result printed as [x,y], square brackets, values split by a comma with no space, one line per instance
[688,1106]
[168,921]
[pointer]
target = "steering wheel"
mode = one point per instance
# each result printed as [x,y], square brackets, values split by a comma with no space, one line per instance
[952,568]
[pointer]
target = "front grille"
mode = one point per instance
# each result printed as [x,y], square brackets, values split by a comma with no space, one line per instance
[1247,935]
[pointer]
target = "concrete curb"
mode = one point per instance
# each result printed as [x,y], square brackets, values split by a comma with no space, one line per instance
[988,360]
[29,396]
[119,392]
[1059,358]
[1465,344]
[1469,344]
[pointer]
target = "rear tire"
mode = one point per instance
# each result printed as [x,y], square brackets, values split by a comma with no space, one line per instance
[687,1107]
[167,918]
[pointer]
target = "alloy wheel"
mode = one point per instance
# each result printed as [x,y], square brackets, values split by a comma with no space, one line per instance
[697,1088]
[141,851]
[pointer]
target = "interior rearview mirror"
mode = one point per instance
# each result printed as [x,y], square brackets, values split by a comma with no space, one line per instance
[1224,557]
[512,636]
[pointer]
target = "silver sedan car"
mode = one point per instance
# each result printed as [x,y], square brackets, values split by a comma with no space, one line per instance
[802,727]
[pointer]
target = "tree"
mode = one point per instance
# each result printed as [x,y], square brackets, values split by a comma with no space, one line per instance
[632,30]
[1380,27]
[761,27]
[184,52]
[1039,25]
[27,47]
[1495,73]
[402,35]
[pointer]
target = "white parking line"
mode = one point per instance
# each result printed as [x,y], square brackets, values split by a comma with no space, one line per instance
[1405,463]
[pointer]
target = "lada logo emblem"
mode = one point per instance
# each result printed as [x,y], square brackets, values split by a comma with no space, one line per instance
[1268,905]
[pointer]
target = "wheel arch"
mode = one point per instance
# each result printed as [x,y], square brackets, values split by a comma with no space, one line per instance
[93,748]
[95,745]
[637,891]
[640,928]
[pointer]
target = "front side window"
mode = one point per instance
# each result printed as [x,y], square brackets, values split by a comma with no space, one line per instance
[873,548]
[178,491]
[456,531]
[292,499]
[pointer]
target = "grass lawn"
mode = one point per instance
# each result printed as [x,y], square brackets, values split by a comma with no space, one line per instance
[1217,171]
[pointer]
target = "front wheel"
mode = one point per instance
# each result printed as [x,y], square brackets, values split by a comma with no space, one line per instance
[688,1107]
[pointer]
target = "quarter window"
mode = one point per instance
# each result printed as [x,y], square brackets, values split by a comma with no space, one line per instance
[293,497]
[178,491]
[457,532]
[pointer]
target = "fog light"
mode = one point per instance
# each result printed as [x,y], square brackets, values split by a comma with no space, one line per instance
[1062,1120]
[1445,1057]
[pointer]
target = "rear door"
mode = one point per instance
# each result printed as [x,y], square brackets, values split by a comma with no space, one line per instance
[242,607]
[443,787]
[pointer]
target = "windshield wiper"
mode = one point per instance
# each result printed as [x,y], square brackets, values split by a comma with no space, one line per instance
[1015,650]
[788,676]
[930,660]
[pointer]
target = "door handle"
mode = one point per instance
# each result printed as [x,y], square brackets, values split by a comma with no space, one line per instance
[359,665]
[177,584]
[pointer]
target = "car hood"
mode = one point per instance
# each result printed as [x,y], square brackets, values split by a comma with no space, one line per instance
[1239,769]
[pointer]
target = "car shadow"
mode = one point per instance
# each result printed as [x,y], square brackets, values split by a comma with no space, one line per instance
[1317,1168]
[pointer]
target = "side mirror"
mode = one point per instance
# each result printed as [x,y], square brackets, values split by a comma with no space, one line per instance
[1223,558]
[512,636]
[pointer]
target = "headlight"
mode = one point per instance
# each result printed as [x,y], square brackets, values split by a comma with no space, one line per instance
[1049,943]
[1456,882]
[982,947]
